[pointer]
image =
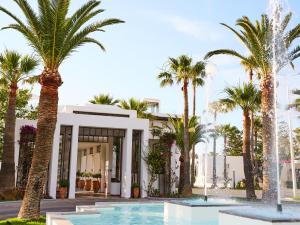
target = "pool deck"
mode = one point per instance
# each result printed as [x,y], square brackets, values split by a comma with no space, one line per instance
[11,209]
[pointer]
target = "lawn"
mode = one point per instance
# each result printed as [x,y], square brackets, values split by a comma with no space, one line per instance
[15,221]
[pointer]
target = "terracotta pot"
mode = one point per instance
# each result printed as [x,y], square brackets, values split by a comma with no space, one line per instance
[136,192]
[77,182]
[88,185]
[81,184]
[96,186]
[63,192]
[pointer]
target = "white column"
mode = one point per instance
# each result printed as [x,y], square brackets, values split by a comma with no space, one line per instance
[126,165]
[73,162]
[144,167]
[54,163]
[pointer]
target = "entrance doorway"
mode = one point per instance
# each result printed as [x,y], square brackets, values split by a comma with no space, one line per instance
[99,161]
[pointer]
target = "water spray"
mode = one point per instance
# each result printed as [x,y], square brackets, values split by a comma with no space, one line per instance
[205,119]
[277,57]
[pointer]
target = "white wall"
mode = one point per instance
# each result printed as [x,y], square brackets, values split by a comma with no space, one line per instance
[234,165]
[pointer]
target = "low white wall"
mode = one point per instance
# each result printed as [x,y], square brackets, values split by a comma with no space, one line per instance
[189,213]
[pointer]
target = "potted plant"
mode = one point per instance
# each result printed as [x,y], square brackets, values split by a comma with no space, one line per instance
[96,182]
[78,177]
[81,180]
[136,190]
[88,181]
[63,188]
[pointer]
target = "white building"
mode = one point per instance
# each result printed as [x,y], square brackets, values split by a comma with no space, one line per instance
[98,139]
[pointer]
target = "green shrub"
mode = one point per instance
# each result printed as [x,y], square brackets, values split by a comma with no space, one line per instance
[15,221]
[63,183]
[135,185]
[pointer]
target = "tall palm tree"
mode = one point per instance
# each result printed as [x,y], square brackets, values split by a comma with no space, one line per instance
[104,99]
[255,36]
[246,97]
[196,135]
[199,74]
[181,71]
[54,35]
[225,130]
[15,69]
[135,104]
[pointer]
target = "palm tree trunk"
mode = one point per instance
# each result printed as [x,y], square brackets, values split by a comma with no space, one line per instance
[268,127]
[181,174]
[47,117]
[252,126]
[193,149]
[250,191]
[187,188]
[7,173]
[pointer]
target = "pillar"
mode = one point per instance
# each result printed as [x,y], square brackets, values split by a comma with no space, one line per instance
[73,162]
[126,165]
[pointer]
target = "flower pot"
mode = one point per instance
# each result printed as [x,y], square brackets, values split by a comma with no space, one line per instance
[96,186]
[63,192]
[88,185]
[136,192]
[77,182]
[81,183]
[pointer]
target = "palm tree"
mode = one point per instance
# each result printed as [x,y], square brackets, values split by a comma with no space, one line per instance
[54,35]
[104,99]
[256,38]
[196,135]
[197,80]
[181,71]
[225,130]
[15,69]
[247,97]
[134,104]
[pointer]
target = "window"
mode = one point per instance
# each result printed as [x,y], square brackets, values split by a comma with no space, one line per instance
[91,150]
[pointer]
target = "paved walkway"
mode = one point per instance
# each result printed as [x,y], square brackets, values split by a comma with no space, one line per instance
[11,209]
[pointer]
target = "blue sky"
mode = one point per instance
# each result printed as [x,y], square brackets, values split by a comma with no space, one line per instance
[138,49]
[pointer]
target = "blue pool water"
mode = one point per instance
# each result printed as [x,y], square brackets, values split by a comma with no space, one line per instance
[132,214]
[210,201]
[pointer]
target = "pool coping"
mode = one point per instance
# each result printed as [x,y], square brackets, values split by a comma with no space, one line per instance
[233,212]
[58,218]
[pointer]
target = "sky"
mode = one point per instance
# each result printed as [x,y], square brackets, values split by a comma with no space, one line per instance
[139,49]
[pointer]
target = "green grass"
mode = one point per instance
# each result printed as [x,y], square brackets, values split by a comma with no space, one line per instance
[15,221]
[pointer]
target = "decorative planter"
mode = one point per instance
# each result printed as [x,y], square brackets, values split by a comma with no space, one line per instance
[63,192]
[77,182]
[136,192]
[88,184]
[81,183]
[96,186]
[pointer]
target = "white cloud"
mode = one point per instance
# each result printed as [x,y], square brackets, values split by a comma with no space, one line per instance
[201,30]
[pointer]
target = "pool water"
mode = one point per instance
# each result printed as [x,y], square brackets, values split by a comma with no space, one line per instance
[210,201]
[132,214]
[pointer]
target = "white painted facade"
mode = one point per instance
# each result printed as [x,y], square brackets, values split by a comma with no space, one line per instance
[108,117]
[234,169]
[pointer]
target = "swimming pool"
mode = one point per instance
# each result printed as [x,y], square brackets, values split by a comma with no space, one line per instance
[133,214]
